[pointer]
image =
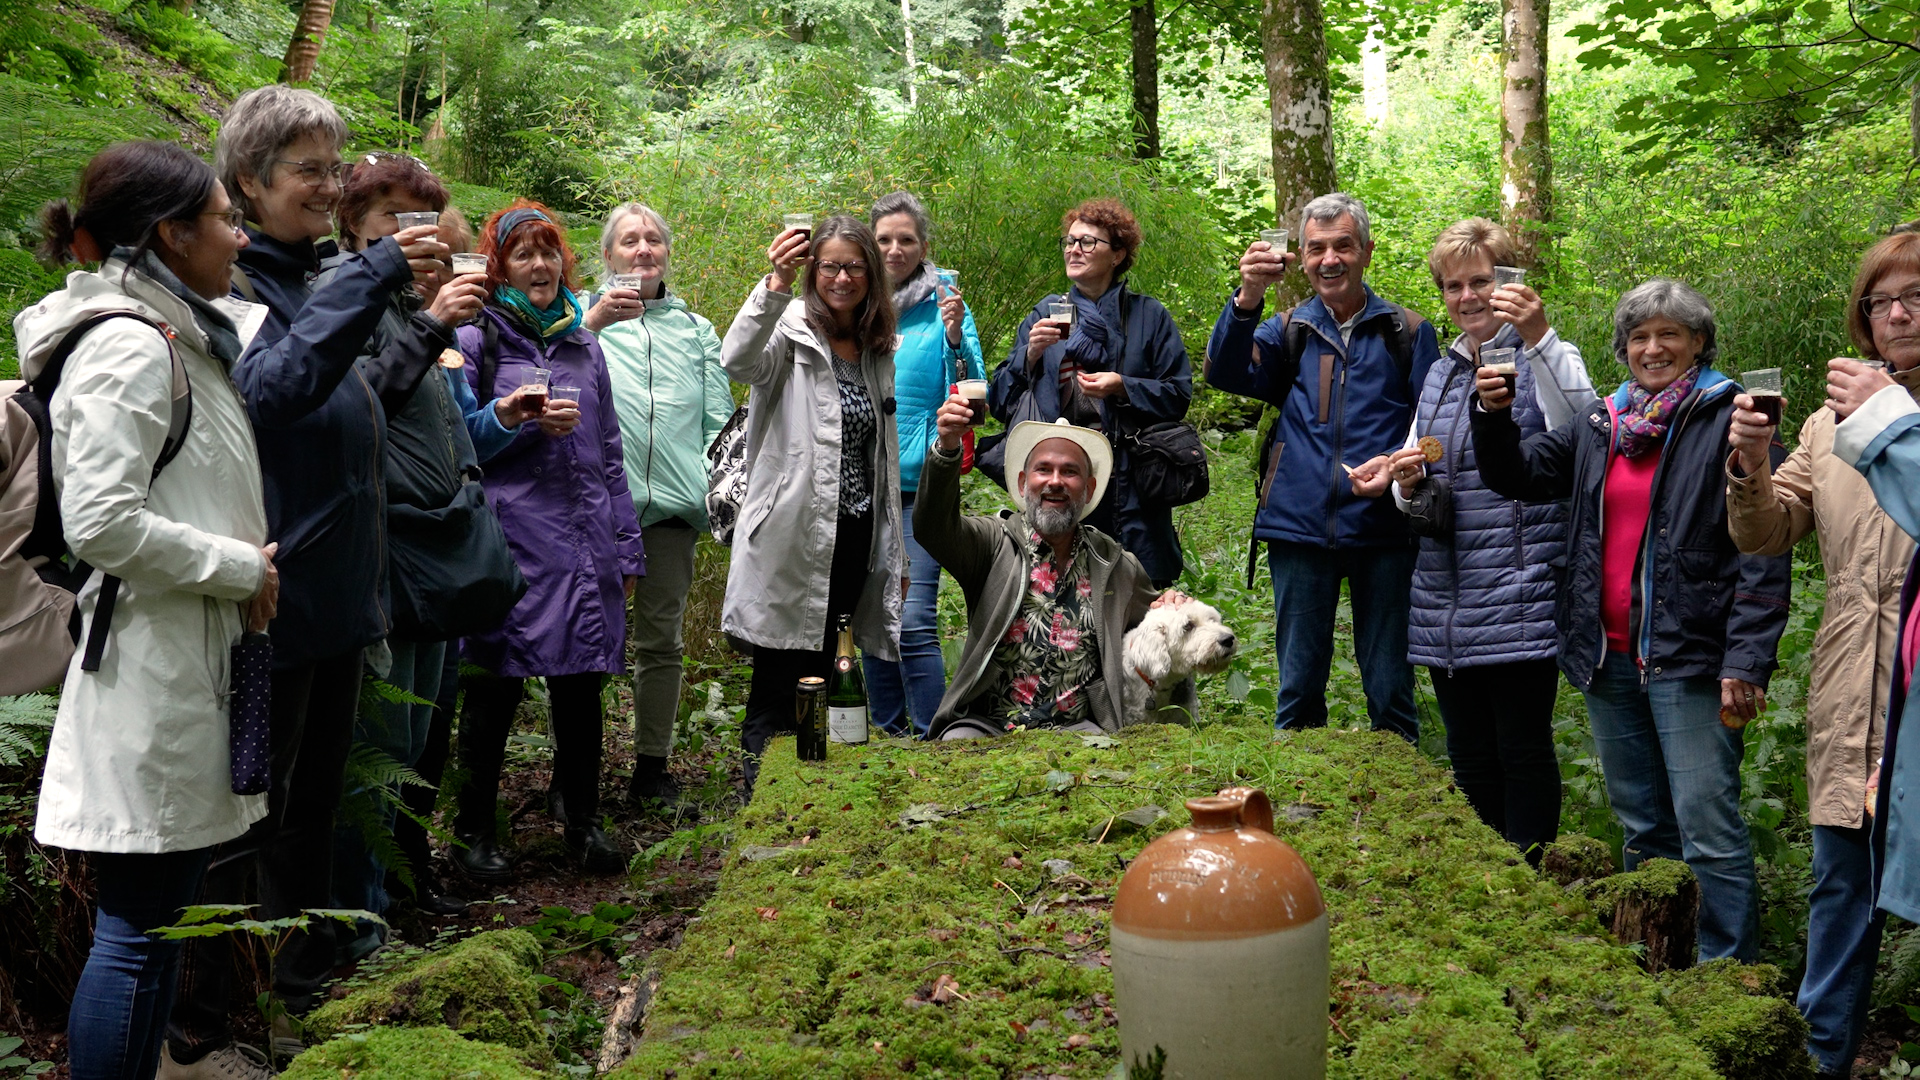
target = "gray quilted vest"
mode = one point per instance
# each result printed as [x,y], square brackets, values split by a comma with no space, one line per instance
[1486,595]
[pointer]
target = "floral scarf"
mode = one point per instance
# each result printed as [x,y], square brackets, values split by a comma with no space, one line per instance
[1642,425]
[552,322]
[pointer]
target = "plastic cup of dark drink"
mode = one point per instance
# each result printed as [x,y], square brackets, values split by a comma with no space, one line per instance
[1062,312]
[534,381]
[802,223]
[975,391]
[1763,386]
[1503,364]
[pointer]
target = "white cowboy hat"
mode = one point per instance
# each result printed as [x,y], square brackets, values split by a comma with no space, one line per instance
[1031,433]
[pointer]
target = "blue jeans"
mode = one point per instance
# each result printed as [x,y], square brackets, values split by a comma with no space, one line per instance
[1673,776]
[1306,593]
[1843,943]
[912,688]
[125,993]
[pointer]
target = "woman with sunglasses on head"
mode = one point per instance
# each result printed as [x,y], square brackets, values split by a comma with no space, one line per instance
[560,488]
[319,424]
[1117,366]
[821,517]
[137,771]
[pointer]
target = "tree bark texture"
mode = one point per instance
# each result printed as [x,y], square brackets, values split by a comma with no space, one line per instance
[1146,80]
[1294,43]
[303,53]
[1526,163]
[1659,905]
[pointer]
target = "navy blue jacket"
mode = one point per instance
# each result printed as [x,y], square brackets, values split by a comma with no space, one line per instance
[320,424]
[1158,379]
[1345,405]
[1700,608]
[1485,593]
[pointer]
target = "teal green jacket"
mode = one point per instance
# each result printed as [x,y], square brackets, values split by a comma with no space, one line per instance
[924,366]
[672,398]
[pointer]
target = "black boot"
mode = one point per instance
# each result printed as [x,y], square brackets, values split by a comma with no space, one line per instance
[653,788]
[481,860]
[594,851]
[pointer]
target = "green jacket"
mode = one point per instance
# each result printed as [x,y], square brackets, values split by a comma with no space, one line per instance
[989,557]
[671,398]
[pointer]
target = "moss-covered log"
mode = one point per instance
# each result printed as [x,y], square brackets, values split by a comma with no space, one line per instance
[483,988]
[945,909]
[1657,906]
[1743,1016]
[410,1053]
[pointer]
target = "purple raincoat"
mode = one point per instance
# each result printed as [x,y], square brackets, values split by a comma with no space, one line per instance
[564,504]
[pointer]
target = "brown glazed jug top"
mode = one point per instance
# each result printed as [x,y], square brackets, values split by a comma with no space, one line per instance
[1225,876]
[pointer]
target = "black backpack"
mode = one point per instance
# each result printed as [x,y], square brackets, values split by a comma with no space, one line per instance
[1293,334]
[40,576]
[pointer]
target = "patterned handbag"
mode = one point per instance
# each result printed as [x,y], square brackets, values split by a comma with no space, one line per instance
[727,477]
[249,747]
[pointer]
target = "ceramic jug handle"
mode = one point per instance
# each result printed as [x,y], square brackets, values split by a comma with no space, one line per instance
[1256,810]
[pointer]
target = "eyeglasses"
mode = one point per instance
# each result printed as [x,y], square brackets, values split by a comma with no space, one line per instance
[1082,243]
[831,270]
[1476,286]
[232,215]
[1877,306]
[313,173]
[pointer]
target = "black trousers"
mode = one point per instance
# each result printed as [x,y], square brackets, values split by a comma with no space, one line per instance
[773,694]
[1499,721]
[432,766]
[310,730]
[487,720]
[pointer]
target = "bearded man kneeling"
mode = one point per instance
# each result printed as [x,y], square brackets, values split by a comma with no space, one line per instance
[1049,600]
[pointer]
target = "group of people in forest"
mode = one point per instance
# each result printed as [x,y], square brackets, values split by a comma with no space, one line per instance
[382,423]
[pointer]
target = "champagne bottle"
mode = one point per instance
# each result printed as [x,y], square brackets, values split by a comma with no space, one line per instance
[847,693]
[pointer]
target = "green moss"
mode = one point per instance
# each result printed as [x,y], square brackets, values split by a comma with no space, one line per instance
[1577,858]
[386,1053]
[1654,881]
[1744,1018]
[1450,957]
[482,987]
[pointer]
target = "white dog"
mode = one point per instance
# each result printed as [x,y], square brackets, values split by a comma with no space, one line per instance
[1171,643]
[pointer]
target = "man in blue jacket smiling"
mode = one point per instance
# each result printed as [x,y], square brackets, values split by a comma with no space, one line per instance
[1344,368]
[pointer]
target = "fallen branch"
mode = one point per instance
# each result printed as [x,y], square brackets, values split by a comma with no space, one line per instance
[629,1014]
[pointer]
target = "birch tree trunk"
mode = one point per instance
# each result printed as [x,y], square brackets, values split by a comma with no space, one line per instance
[906,23]
[1146,80]
[303,52]
[1293,40]
[1526,161]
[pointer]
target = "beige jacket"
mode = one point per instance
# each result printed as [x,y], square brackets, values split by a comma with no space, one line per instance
[1865,556]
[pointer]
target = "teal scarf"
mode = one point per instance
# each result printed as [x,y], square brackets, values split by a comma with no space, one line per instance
[559,320]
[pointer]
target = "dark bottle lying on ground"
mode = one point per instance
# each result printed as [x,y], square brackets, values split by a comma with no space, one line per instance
[810,719]
[847,695]
[1767,403]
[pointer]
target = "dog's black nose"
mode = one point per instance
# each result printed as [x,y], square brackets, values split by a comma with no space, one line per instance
[1227,642]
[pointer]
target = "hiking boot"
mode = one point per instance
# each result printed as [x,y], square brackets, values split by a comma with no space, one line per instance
[594,851]
[653,789]
[287,1044]
[235,1061]
[481,860]
[429,900]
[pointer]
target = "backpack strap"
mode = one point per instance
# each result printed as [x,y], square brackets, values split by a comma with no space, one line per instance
[489,363]
[244,284]
[1293,344]
[48,536]
[1400,338]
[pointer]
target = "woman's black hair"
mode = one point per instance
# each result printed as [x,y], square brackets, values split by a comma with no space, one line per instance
[126,191]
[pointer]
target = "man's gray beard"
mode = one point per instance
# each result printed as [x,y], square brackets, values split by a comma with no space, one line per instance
[1048,521]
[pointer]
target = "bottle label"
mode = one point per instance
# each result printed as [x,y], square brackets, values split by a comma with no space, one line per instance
[847,725]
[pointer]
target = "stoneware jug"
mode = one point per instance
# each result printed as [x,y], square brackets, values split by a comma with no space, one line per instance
[1220,949]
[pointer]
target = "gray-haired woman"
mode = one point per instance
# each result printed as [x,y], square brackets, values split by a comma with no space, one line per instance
[672,398]
[1665,626]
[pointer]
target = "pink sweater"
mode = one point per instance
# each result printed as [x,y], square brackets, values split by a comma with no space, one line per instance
[1626,505]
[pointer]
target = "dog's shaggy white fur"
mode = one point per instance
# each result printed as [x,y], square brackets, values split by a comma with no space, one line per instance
[1171,643]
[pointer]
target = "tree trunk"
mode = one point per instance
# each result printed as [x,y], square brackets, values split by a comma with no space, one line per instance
[1657,905]
[1293,40]
[906,23]
[1146,80]
[1526,163]
[303,53]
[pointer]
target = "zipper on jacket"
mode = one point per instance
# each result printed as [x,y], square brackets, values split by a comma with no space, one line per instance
[1453,475]
[1519,537]
[1339,450]
[653,407]
[380,485]
[1600,524]
[1646,541]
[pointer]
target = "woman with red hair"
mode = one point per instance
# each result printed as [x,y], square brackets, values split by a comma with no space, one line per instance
[560,489]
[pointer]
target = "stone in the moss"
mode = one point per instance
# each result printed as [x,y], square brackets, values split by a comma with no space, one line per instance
[1658,905]
[409,1054]
[1743,1016]
[483,988]
[1575,858]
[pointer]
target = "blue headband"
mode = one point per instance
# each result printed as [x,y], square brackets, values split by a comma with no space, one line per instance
[512,220]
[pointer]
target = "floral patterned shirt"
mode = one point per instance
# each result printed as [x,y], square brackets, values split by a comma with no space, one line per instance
[1051,651]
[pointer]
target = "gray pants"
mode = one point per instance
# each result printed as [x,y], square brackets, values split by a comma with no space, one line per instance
[659,606]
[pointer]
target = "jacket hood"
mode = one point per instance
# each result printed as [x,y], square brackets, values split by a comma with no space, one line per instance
[1712,384]
[281,260]
[39,329]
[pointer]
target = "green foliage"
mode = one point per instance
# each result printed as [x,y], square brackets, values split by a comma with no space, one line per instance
[25,724]
[409,1053]
[1743,1016]
[562,926]
[10,1060]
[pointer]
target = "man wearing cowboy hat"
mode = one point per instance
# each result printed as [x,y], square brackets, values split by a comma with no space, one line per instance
[1049,600]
